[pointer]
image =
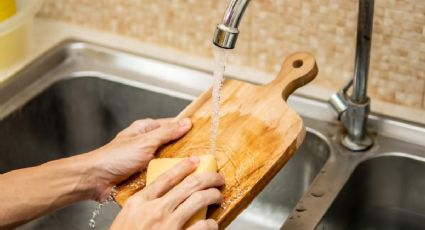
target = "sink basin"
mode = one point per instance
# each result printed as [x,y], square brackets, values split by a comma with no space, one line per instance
[75,115]
[274,204]
[382,193]
[77,96]
[70,117]
[79,114]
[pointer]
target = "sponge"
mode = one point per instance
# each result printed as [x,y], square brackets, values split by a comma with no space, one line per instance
[160,165]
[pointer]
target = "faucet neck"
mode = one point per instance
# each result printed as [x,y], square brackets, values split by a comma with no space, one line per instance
[363,44]
[353,110]
[234,12]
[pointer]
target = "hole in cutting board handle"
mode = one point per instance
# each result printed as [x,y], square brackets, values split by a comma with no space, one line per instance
[297,63]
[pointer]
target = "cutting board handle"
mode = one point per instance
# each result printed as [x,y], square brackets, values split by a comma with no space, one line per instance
[297,70]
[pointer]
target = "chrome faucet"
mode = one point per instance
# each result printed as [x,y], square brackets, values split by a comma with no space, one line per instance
[353,109]
[226,33]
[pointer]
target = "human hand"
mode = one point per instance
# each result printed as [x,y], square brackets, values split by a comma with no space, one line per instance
[171,200]
[131,150]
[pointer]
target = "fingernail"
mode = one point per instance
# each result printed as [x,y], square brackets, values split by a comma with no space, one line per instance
[194,159]
[185,122]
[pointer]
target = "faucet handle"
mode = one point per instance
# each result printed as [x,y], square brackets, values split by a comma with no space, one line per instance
[339,102]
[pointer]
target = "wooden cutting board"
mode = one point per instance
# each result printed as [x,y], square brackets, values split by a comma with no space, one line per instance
[258,134]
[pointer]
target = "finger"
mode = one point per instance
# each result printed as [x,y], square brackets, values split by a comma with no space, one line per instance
[141,126]
[171,131]
[208,224]
[192,184]
[170,178]
[196,202]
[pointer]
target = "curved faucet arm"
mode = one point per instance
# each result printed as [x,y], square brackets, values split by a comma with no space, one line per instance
[234,12]
[226,33]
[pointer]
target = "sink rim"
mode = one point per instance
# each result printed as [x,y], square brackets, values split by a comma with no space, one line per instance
[410,156]
[72,59]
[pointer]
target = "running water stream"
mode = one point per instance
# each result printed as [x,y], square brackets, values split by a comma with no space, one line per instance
[96,212]
[220,58]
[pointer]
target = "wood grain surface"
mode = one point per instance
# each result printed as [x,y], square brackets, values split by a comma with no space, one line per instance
[258,134]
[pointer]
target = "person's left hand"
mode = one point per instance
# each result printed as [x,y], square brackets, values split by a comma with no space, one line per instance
[171,200]
[131,150]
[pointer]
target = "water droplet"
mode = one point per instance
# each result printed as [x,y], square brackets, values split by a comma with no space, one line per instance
[96,212]
[300,208]
[92,223]
[318,193]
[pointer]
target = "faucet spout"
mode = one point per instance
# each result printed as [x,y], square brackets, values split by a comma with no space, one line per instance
[226,33]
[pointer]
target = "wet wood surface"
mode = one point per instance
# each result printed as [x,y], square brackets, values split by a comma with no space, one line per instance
[258,134]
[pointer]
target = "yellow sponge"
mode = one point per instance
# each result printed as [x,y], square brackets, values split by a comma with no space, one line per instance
[160,165]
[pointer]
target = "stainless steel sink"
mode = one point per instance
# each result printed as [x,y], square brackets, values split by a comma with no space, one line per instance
[273,205]
[386,192]
[77,96]
[76,115]
[72,116]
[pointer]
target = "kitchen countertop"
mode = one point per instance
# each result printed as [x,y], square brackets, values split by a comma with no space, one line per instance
[48,33]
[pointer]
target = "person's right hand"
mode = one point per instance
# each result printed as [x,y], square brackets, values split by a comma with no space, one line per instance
[171,200]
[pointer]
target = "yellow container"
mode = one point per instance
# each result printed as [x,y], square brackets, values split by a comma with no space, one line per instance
[7,9]
[16,33]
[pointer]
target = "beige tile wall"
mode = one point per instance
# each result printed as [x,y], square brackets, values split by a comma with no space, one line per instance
[274,28]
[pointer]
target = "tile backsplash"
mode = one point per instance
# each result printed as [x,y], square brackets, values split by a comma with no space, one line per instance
[271,30]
